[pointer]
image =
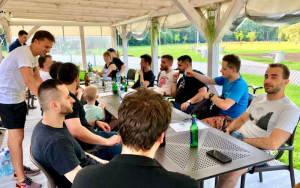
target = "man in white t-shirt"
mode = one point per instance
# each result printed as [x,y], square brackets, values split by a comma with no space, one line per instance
[268,122]
[166,76]
[44,64]
[16,73]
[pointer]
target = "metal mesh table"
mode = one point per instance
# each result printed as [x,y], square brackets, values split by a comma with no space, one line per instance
[178,156]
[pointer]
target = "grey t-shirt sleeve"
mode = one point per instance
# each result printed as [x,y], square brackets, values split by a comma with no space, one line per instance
[288,119]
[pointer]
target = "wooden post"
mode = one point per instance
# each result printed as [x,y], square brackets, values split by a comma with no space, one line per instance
[125,51]
[33,30]
[154,55]
[213,61]
[114,38]
[0,53]
[83,52]
[7,32]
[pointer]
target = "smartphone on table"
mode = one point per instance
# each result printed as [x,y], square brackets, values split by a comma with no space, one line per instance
[219,156]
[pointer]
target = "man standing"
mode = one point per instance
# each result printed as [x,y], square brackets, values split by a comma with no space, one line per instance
[22,38]
[166,76]
[144,116]
[188,91]
[16,73]
[44,64]
[146,75]
[234,91]
[117,61]
[268,122]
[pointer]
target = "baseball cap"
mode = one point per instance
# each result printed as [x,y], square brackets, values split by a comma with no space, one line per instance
[111,50]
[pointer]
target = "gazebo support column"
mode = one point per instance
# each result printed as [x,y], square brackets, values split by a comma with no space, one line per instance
[154,55]
[83,52]
[6,28]
[125,50]
[114,38]
[33,30]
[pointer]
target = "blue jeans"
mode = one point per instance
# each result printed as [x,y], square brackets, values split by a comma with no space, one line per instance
[178,105]
[114,150]
[236,134]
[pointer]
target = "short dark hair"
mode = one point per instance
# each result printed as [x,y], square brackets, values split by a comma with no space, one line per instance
[111,50]
[168,57]
[233,62]
[22,32]
[54,68]
[142,117]
[67,73]
[41,35]
[286,71]
[147,58]
[42,60]
[47,92]
[185,59]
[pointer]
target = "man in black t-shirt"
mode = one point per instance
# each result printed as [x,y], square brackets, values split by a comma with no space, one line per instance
[76,122]
[146,75]
[189,90]
[117,61]
[141,137]
[52,145]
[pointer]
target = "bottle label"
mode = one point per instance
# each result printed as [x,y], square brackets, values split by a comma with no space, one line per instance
[191,133]
[6,162]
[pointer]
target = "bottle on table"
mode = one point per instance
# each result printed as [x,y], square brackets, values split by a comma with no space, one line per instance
[125,84]
[105,74]
[141,84]
[194,132]
[115,88]
[2,159]
[118,76]
[121,94]
[86,79]
[10,167]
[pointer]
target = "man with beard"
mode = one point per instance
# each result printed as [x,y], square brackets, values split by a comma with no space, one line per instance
[78,125]
[52,145]
[166,76]
[146,75]
[188,91]
[234,91]
[16,73]
[272,126]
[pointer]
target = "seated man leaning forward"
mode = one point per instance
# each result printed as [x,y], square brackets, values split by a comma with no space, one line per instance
[141,137]
[234,91]
[188,91]
[166,76]
[44,64]
[146,75]
[78,125]
[268,122]
[52,145]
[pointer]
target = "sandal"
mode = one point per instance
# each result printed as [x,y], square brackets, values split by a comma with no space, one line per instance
[32,107]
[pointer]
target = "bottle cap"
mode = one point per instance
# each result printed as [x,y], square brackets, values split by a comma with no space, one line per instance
[193,116]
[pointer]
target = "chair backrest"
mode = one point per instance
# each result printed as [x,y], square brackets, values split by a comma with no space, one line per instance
[251,97]
[274,52]
[51,181]
[131,74]
[290,141]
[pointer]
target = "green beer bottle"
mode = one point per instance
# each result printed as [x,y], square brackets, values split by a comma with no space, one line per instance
[115,88]
[194,133]
[125,85]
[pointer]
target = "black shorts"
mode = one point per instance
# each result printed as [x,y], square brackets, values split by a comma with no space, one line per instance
[13,115]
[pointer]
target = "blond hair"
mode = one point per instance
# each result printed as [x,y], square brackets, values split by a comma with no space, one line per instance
[90,93]
[107,53]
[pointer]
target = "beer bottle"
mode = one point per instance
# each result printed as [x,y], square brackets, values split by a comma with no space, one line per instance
[194,133]
[125,85]
[115,87]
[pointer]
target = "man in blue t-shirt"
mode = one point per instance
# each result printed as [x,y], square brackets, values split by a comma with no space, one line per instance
[235,91]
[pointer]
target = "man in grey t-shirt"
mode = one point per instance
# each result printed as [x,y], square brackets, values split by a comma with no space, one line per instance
[268,122]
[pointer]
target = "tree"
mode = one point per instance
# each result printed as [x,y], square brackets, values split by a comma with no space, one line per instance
[290,32]
[177,37]
[237,35]
[185,38]
[251,36]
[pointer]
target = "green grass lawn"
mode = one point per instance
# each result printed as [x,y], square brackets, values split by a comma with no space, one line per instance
[263,47]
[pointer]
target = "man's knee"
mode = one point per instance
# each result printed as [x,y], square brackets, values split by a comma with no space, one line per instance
[233,175]
[16,134]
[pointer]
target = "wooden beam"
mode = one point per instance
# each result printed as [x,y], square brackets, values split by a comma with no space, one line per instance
[114,38]
[154,54]
[56,23]
[192,15]
[129,21]
[124,45]
[164,3]
[33,30]
[231,13]
[64,17]
[82,43]
[86,4]
[69,12]
[203,3]
[7,32]
[3,4]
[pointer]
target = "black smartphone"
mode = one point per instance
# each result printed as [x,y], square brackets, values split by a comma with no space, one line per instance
[219,156]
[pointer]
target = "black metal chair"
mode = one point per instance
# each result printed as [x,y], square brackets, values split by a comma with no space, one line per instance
[276,165]
[130,76]
[255,88]
[50,182]
[157,81]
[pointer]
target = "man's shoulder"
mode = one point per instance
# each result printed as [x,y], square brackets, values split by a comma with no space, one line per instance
[182,179]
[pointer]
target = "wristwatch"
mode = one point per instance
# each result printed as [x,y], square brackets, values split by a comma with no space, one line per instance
[241,139]
[189,102]
[211,95]
[165,93]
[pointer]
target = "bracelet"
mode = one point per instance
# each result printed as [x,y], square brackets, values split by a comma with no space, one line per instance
[96,122]
[174,82]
